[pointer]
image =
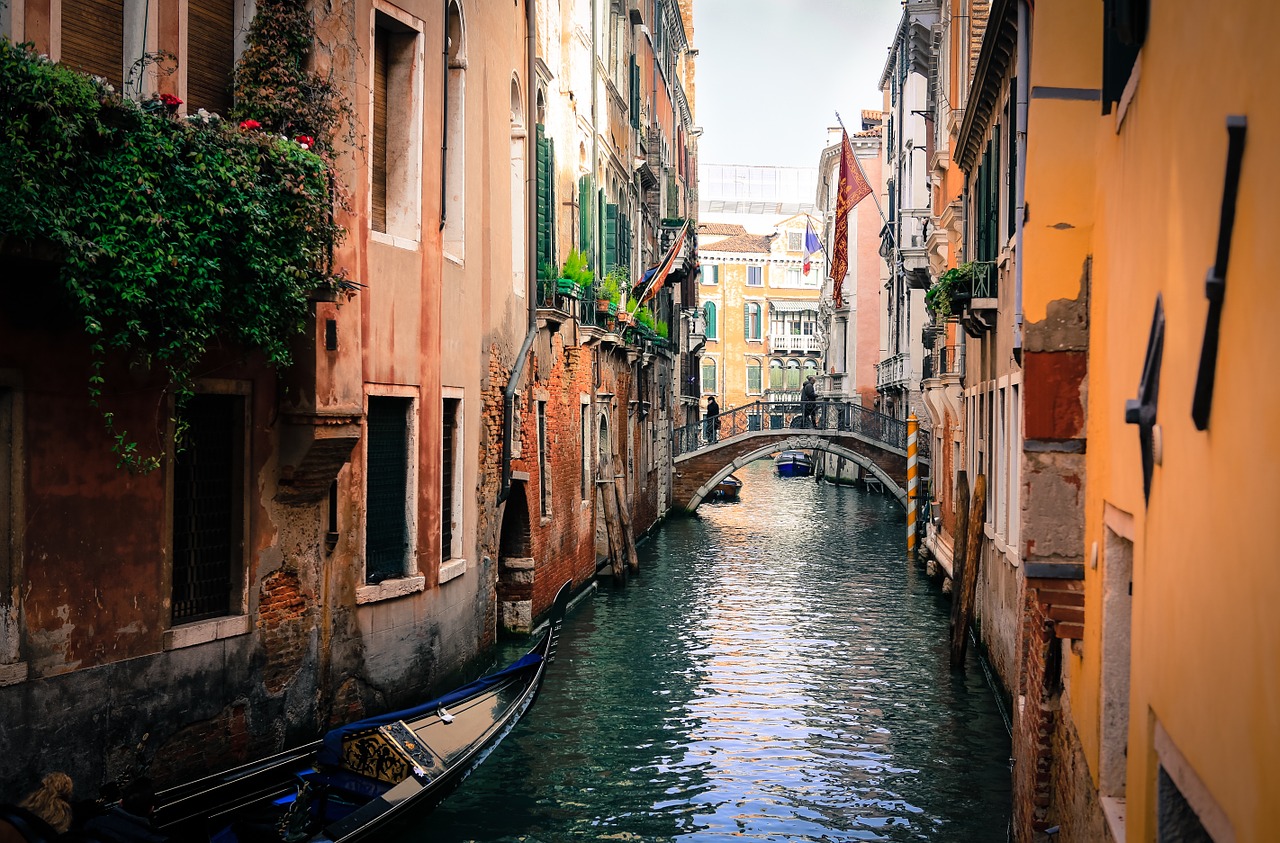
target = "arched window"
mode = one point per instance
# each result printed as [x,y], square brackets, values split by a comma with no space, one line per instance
[519,135]
[751,320]
[793,374]
[753,376]
[775,374]
[453,186]
[709,316]
[708,375]
[810,368]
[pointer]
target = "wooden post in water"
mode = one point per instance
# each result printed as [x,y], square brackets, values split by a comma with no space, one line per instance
[959,537]
[612,522]
[964,591]
[624,519]
[913,486]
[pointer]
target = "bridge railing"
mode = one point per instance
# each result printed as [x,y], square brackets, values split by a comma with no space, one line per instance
[786,416]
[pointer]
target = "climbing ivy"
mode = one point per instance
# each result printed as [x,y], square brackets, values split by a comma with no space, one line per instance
[174,233]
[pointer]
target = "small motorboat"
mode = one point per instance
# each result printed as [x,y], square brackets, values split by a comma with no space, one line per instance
[793,464]
[727,489]
[362,777]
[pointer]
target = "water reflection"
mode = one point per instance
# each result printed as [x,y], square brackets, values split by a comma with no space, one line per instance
[776,673]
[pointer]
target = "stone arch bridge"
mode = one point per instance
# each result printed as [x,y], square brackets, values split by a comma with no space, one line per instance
[706,454]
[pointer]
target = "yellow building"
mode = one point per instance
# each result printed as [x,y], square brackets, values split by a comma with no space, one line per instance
[759,313]
[1164,717]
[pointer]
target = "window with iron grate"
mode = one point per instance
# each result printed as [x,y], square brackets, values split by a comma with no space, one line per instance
[208,509]
[450,514]
[386,545]
[544,467]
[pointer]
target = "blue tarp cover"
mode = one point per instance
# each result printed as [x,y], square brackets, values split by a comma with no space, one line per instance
[331,753]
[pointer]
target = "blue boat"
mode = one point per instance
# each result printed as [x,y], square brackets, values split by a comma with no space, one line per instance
[793,464]
[727,489]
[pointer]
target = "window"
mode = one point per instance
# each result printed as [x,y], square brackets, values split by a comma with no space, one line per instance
[711,275]
[396,137]
[518,204]
[388,446]
[708,375]
[810,368]
[751,312]
[1124,28]
[753,376]
[453,184]
[584,429]
[209,509]
[1117,613]
[544,462]
[546,199]
[755,276]
[211,32]
[793,374]
[793,278]
[709,316]
[451,468]
[93,38]
[776,378]
[794,241]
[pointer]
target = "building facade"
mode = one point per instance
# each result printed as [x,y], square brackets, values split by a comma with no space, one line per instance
[316,550]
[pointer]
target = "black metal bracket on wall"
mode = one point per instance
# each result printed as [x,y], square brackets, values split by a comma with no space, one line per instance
[1215,284]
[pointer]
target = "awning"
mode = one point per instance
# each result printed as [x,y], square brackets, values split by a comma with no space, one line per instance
[793,306]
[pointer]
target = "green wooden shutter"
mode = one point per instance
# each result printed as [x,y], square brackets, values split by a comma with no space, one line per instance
[746,321]
[635,94]
[543,187]
[584,215]
[993,201]
[612,252]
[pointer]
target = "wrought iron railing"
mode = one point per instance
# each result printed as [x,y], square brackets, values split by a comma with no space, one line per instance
[827,417]
[944,360]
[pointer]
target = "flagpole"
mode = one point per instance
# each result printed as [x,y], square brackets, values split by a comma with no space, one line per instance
[875,193]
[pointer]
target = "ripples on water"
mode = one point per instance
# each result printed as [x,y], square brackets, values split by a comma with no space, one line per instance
[776,673]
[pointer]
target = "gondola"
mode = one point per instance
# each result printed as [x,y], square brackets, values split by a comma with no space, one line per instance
[364,776]
[793,464]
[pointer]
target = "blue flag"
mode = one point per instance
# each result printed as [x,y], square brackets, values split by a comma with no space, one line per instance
[811,244]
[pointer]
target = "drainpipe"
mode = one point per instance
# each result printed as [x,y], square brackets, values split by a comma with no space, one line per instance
[531,242]
[444,128]
[1024,70]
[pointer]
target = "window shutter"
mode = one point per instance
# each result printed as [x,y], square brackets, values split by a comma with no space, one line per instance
[635,94]
[380,61]
[584,216]
[612,250]
[93,38]
[993,200]
[553,239]
[746,321]
[210,54]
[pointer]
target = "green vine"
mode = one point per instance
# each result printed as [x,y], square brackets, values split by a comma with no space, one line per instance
[173,234]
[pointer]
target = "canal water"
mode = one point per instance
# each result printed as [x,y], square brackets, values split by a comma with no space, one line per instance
[776,672]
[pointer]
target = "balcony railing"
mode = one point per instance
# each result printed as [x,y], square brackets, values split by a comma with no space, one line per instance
[794,343]
[894,371]
[944,360]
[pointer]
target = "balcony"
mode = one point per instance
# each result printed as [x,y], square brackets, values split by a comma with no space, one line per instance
[893,372]
[793,344]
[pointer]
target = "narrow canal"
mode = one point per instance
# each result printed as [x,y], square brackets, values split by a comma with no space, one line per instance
[776,673]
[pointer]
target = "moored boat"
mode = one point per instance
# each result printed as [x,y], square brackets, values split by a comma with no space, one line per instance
[793,464]
[362,777]
[727,489]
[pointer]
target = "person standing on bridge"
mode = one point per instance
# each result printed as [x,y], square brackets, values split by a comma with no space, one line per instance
[809,402]
[712,426]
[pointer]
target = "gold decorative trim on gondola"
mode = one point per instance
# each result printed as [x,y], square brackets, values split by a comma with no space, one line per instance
[391,753]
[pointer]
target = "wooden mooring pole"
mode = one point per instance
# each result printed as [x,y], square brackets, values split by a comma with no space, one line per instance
[962,591]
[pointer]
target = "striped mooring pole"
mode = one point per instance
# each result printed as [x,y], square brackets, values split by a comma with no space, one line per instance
[913,485]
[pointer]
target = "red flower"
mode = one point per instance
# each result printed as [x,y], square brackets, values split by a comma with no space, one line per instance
[250,124]
[170,100]
[305,141]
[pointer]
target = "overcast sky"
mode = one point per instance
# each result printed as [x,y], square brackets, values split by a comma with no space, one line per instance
[772,73]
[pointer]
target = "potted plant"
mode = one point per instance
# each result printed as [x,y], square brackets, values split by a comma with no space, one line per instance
[625,314]
[663,331]
[942,297]
[574,275]
[644,322]
[610,290]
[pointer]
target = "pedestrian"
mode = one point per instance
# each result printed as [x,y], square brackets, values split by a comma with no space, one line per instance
[809,402]
[43,814]
[713,419]
[130,820]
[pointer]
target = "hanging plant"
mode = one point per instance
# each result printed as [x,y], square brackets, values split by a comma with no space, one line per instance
[170,234]
[940,297]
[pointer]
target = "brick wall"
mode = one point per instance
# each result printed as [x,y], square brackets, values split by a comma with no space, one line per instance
[284,621]
[1034,723]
